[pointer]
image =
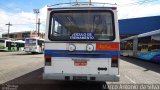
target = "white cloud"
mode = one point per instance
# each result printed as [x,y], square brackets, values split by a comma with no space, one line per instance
[144,10]
[43,14]
[22,21]
[131,9]
[118,2]
[135,11]
[19,21]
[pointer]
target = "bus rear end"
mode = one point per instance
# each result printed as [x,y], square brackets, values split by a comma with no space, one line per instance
[31,45]
[82,44]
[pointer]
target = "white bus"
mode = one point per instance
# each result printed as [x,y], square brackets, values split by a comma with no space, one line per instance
[19,45]
[145,46]
[34,45]
[82,43]
[7,45]
[11,45]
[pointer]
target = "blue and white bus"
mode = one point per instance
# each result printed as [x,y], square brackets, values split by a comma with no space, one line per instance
[82,43]
[34,45]
[145,46]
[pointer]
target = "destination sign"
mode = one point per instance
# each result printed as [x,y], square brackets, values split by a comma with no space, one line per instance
[82,36]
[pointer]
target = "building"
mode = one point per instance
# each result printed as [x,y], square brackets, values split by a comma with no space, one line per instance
[23,35]
[134,26]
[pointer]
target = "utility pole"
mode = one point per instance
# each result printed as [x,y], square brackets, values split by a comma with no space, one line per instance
[89,2]
[39,23]
[36,11]
[9,24]
[77,2]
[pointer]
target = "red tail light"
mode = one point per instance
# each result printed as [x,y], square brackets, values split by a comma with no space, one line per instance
[49,9]
[47,60]
[47,56]
[114,61]
[114,8]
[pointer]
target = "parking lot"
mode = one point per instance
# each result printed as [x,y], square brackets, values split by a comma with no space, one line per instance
[26,69]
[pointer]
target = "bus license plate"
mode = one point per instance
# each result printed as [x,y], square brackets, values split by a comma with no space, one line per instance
[80,63]
[79,77]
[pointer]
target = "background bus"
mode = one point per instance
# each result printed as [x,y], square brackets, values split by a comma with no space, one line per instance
[20,45]
[82,43]
[145,46]
[10,45]
[34,45]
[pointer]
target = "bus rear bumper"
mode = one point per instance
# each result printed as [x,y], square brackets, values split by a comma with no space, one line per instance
[81,77]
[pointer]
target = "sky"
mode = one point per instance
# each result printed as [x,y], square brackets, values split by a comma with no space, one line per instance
[20,12]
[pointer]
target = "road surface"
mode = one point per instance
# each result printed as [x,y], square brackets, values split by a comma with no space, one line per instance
[24,71]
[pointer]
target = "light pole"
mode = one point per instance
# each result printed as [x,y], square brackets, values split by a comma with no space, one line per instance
[36,11]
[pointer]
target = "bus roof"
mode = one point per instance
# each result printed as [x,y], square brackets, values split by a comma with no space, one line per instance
[81,5]
[35,38]
[20,41]
[5,39]
[149,33]
[143,35]
[129,38]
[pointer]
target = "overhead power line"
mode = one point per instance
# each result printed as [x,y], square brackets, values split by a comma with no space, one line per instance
[138,3]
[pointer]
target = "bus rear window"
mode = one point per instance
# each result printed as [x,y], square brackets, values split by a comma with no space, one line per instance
[30,41]
[81,26]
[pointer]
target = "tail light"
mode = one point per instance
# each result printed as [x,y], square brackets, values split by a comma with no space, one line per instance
[114,62]
[50,9]
[47,60]
[114,8]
